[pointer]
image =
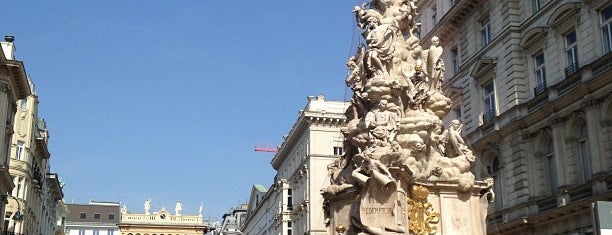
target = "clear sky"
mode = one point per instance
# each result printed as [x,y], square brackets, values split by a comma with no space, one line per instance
[167,99]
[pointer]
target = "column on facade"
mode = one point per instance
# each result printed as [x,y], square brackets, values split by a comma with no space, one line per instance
[558,126]
[593,116]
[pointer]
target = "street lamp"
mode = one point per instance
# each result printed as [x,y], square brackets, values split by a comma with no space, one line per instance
[17,216]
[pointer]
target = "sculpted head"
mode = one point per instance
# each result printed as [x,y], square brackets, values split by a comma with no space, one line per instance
[435,41]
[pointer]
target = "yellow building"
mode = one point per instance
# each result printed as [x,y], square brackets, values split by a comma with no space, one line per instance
[161,222]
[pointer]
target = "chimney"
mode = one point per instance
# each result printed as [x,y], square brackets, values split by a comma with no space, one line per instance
[8,47]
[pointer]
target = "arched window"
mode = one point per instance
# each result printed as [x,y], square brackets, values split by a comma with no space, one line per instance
[551,167]
[584,154]
[494,170]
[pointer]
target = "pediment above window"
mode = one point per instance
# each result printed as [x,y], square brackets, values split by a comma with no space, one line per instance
[534,36]
[565,15]
[484,66]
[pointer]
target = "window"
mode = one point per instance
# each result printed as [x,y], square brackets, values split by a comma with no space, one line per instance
[83,215]
[535,6]
[583,149]
[289,228]
[19,150]
[289,199]
[434,15]
[485,31]
[111,216]
[539,73]
[97,216]
[489,102]
[455,54]
[81,231]
[338,151]
[551,167]
[110,232]
[457,112]
[571,52]
[96,232]
[606,29]
[24,104]
[495,172]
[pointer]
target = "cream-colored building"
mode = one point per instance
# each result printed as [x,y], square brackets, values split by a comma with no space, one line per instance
[293,204]
[33,205]
[532,82]
[161,222]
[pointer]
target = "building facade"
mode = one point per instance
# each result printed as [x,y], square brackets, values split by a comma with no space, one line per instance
[262,211]
[38,193]
[13,87]
[94,218]
[232,221]
[162,222]
[293,204]
[531,81]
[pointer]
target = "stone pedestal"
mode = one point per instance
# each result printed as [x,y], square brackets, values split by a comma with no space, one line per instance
[446,211]
[460,212]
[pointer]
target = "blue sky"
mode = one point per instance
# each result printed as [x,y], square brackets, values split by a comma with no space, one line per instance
[167,99]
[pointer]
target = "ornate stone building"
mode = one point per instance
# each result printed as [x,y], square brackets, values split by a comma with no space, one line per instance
[532,82]
[13,86]
[38,193]
[232,221]
[162,222]
[34,205]
[293,203]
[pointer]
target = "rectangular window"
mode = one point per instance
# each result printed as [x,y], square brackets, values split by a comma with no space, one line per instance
[19,150]
[97,216]
[434,15]
[338,151]
[111,216]
[485,31]
[96,232]
[535,5]
[489,102]
[539,73]
[606,29]
[457,112]
[571,52]
[289,199]
[24,104]
[83,215]
[81,231]
[110,232]
[289,228]
[455,54]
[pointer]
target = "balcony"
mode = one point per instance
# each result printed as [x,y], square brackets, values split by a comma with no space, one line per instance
[602,64]
[571,70]
[539,89]
[488,116]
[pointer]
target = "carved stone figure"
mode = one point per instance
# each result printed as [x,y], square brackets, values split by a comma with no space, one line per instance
[394,135]
[435,65]
[147,206]
[178,209]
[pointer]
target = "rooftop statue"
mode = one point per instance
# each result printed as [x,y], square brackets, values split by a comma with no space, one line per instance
[395,138]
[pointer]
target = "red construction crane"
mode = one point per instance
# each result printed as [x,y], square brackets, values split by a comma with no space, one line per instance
[265,148]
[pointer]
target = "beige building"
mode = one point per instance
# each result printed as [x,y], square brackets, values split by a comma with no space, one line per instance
[532,82]
[161,222]
[33,193]
[293,204]
[38,193]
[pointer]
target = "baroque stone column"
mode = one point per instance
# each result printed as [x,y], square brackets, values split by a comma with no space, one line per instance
[404,171]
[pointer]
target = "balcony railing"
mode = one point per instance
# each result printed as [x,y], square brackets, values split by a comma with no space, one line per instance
[488,115]
[539,89]
[570,70]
